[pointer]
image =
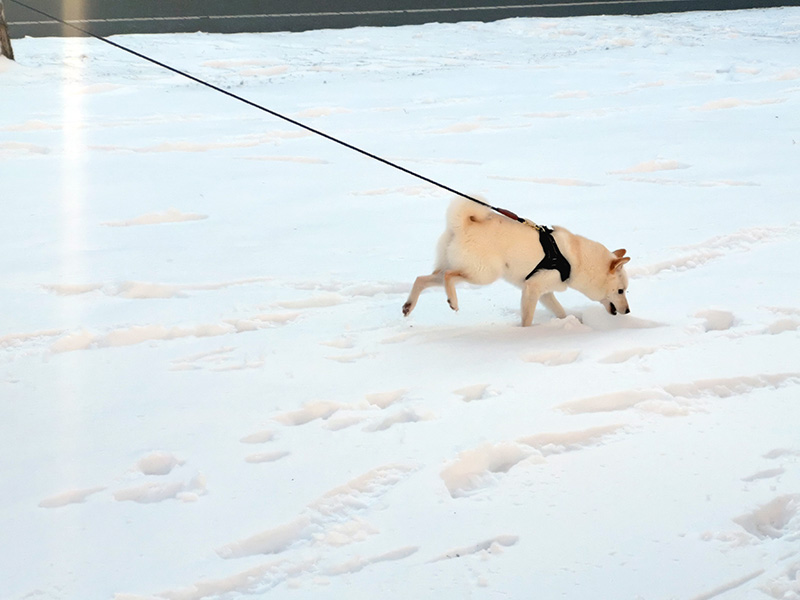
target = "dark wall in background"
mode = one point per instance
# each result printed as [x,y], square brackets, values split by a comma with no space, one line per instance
[108,17]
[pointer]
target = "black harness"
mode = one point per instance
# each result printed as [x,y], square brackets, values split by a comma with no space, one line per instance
[553,259]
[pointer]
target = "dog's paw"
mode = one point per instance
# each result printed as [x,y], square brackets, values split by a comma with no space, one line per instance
[453,305]
[407,308]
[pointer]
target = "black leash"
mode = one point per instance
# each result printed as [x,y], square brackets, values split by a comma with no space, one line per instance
[278,115]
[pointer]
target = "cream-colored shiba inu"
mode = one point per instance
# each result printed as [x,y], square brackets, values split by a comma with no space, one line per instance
[480,246]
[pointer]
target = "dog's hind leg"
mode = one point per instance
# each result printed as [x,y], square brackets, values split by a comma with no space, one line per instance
[450,280]
[553,305]
[421,283]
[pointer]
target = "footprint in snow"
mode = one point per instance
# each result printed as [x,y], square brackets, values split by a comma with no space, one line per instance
[333,521]
[716,320]
[311,411]
[266,457]
[161,464]
[325,516]
[479,468]
[345,342]
[351,358]
[381,400]
[150,492]
[170,216]
[552,358]
[783,325]
[263,437]
[765,474]
[476,469]
[340,415]
[406,415]
[204,360]
[490,546]
[319,301]
[260,437]
[621,356]
[471,393]
[158,463]
[385,399]
[77,496]
[569,441]
[652,166]
[678,398]
[357,563]
[155,464]
[773,520]
[343,421]
[698,255]
[729,103]
[781,452]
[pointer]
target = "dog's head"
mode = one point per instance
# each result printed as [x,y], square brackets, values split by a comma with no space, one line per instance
[616,285]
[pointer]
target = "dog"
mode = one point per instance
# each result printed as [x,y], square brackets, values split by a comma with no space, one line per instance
[480,245]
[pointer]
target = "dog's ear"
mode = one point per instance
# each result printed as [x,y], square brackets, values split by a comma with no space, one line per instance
[619,253]
[617,263]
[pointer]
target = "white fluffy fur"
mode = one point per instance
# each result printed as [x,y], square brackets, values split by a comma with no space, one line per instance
[480,246]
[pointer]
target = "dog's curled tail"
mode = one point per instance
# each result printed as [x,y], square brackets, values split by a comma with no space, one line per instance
[462,213]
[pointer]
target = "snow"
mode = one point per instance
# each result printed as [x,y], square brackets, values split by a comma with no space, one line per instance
[209,390]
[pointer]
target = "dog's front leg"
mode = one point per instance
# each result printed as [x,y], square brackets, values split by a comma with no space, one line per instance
[553,305]
[530,296]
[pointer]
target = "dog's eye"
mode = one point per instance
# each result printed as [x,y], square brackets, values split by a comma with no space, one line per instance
[620,292]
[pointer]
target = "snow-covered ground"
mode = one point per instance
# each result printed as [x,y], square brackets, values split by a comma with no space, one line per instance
[209,390]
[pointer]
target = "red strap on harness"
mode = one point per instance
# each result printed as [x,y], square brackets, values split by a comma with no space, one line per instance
[509,214]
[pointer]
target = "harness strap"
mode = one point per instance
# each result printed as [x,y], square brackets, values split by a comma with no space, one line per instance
[553,259]
[515,217]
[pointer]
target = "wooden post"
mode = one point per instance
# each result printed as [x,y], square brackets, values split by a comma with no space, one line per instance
[5,41]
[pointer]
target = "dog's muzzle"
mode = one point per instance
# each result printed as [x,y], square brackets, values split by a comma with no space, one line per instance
[613,309]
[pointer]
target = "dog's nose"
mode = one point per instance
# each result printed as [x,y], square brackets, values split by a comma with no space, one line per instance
[627,310]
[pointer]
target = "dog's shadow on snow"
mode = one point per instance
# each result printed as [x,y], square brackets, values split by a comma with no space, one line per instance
[597,318]
[590,320]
